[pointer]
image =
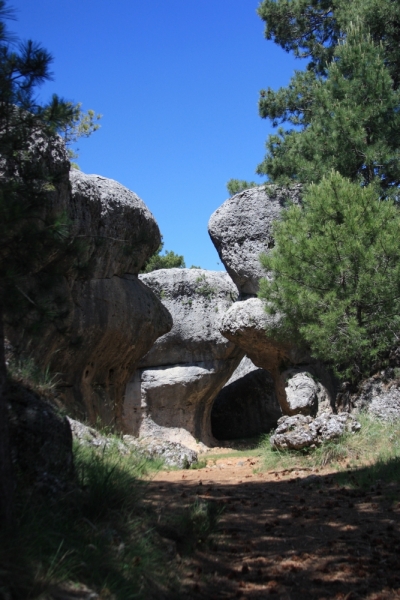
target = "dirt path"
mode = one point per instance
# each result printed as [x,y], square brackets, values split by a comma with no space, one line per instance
[295,535]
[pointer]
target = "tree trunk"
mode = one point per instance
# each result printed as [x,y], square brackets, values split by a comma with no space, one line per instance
[6,471]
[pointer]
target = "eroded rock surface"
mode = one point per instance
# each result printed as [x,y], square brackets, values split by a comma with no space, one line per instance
[173,454]
[111,318]
[379,396]
[241,229]
[171,394]
[247,405]
[300,431]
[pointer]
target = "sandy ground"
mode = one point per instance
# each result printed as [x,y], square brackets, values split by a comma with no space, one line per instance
[294,535]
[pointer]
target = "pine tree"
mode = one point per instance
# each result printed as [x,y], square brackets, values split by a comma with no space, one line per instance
[168,260]
[343,110]
[336,275]
[33,232]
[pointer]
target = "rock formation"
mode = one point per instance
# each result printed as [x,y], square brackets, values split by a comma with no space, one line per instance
[112,319]
[241,229]
[171,394]
[301,385]
[298,431]
[247,405]
[171,453]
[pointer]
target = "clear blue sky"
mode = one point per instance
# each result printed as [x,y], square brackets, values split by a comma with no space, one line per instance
[177,82]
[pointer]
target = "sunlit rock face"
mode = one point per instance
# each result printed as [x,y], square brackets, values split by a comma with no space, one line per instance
[172,392]
[242,228]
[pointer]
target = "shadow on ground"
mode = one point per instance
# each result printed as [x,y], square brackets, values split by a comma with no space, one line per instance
[292,535]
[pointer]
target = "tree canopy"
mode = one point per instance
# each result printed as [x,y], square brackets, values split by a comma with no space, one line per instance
[336,275]
[340,113]
[168,260]
[333,274]
[34,232]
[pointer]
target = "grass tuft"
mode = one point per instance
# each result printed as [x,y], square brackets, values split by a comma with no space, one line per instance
[376,448]
[96,535]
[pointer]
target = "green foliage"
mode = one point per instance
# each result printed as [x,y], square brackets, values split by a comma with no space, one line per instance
[81,125]
[234,186]
[372,453]
[35,243]
[26,371]
[336,275]
[343,111]
[96,534]
[168,260]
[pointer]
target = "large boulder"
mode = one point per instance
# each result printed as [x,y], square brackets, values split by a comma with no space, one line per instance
[299,431]
[301,384]
[119,231]
[111,318]
[241,229]
[378,396]
[171,394]
[247,405]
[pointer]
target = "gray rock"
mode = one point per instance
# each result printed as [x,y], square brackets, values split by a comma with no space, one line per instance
[119,230]
[172,392]
[111,318]
[241,229]
[301,392]
[247,405]
[379,398]
[244,324]
[111,324]
[300,431]
[173,454]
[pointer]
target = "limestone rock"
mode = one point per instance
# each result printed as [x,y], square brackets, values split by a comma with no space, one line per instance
[111,325]
[247,405]
[172,392]
[119,230]
[111,319]
[301,392]
[379,397]
[300,431]
[241,229]
[244,324]
[172,453]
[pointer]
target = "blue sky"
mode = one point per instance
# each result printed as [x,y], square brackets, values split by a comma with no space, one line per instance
[177,83]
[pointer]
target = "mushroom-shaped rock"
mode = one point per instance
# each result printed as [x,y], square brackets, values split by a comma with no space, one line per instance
[247,405]
[111,319]
[296,389]
[120,232]
[171,394]
[241,230]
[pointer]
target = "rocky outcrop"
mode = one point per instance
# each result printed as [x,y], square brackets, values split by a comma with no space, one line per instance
[301,385]
[378,396]
[111,318]
[171,394]
[247,405]
[119,231]
[171,453]
[299,431]
[241,229]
